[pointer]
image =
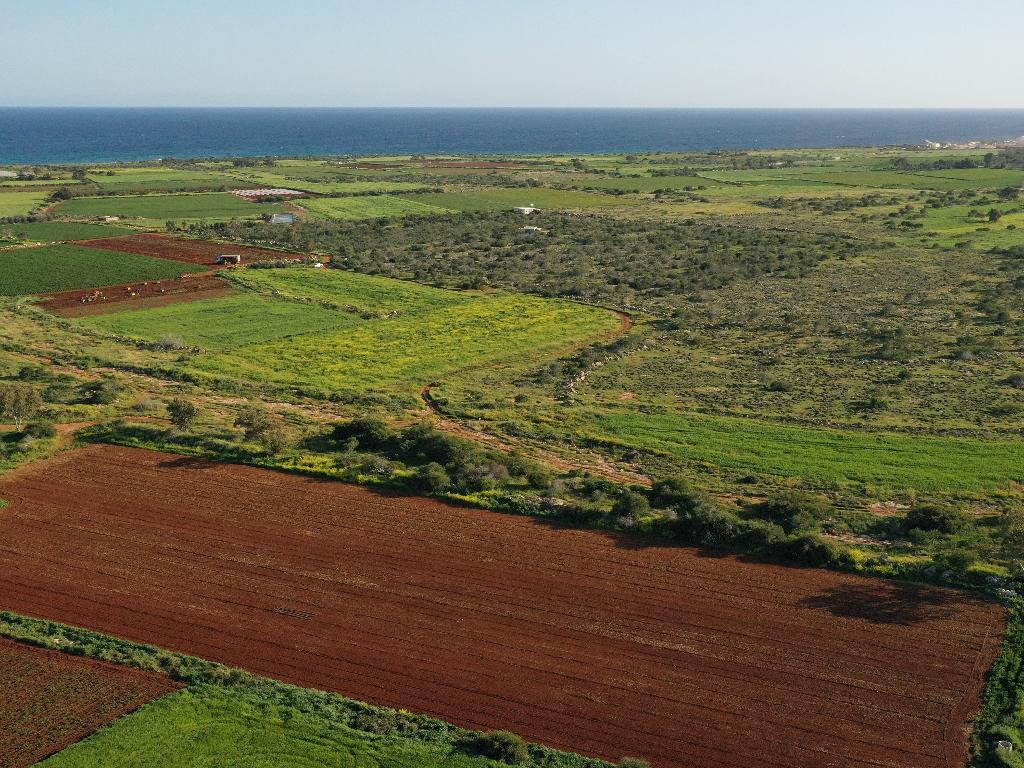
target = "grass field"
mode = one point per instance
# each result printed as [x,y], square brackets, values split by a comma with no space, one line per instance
[408,352]
[157,179]
[214,205]
[210,726]
[64,267]
[53,231]
[21,203]
[825,458]
[350,290]
[223,324]
[369,207]
[498,199]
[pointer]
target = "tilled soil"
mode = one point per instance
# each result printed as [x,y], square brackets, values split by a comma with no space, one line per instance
[148,293]
[599,644]
[49,699]
[183,249]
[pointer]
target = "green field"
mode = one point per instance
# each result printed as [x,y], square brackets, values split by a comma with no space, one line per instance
[210,726]
[21,203]
[214,205]
[157,180]
[498,199]
[368,207]
[54,231]
[824,458]
[224,323]
[350,290]
[64,267]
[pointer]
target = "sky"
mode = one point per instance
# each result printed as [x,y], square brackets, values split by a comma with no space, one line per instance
[540,53]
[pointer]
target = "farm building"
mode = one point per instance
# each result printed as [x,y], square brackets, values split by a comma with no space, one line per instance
[229,258]
[526,210]
[282,218]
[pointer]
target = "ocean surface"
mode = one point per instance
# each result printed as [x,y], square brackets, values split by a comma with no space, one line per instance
[64,135]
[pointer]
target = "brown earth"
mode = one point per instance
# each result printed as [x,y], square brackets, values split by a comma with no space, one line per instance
[183,249]
[149,293]
[49,700]
[575,638]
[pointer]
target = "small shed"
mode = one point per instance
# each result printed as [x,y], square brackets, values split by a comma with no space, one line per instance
[526,210]
[229,259]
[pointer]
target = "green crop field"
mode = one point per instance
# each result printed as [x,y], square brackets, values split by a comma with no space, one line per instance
[350,290]
[64,267]
[54,231]
[223,324]
[210,726]
[825,458]
[21,203]
[368,207]
[157,180]
[214,205]
[495,199]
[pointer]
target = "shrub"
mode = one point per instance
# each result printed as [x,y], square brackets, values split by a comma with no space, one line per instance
[633,762]
[182,413]
[935,517]
[41,429]
[254,422]
[431,478]
[794,511]
[499,745]
[631,505]
[676,493]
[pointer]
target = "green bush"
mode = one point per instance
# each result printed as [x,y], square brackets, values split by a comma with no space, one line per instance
[499,745]
[935,517]
[794,511]
[431,478]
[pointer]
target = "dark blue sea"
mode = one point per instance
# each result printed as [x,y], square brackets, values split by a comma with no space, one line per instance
[61,135]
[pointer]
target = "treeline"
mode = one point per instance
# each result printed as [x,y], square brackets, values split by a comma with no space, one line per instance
[628,264]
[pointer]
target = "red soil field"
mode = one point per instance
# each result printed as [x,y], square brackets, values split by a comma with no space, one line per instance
[575,638]
[183,249]
[151,293]
[49,700]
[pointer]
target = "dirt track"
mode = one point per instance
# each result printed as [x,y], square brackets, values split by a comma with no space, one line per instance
[573,638]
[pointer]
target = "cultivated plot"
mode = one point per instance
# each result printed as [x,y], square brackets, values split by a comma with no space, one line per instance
[49,699]
[573,638]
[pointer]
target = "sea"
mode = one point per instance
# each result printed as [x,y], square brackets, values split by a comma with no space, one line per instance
[90,135]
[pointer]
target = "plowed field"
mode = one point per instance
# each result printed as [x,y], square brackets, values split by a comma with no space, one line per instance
[152,293]
[49,699]
[183,249]
[573,638]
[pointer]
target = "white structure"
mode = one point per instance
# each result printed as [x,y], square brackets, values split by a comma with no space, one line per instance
[526,210]
[282,218]
[274,192]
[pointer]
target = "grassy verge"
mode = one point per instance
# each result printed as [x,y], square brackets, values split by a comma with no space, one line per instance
[1002,713]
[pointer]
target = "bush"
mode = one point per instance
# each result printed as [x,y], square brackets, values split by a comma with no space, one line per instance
[633,762]
[631,505]
[431,478]
[182,413]
[676,493]
[499,745]
[41,429]
[935,517]
[794,511]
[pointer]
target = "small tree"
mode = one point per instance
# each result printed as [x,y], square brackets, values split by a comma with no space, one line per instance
[254,422]
[499,745]
[432,478]
[182,413]
[19,402]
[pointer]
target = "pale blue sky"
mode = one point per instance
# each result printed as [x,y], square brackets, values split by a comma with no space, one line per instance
[711,53]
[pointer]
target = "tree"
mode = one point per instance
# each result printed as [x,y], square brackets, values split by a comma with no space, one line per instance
[794,510]
[19,402]
[182,413]
[994,214]
[500,745]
